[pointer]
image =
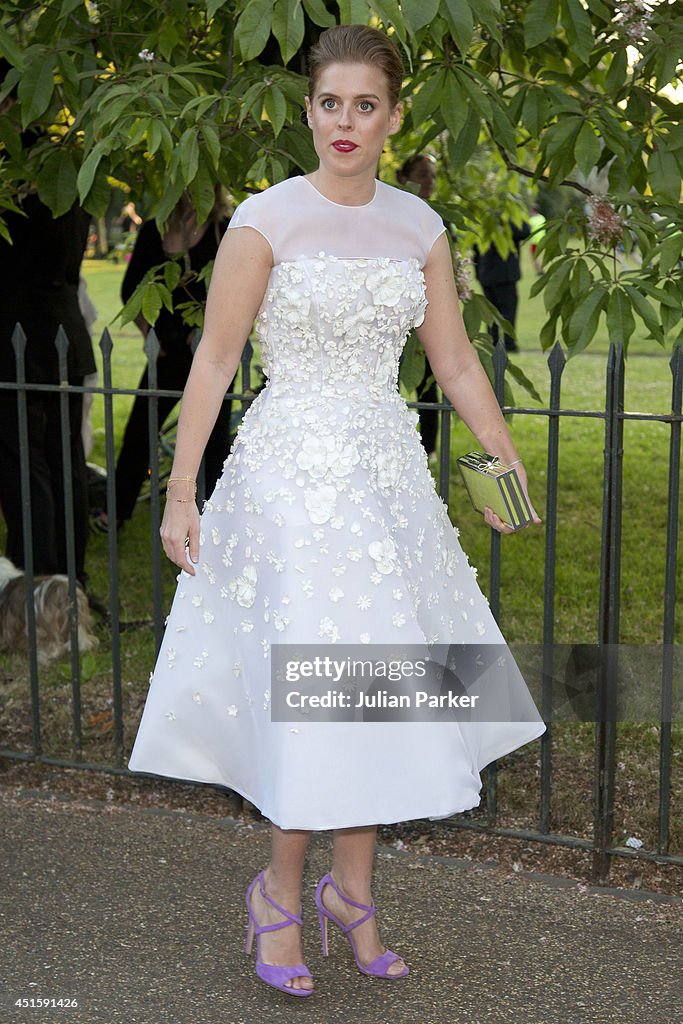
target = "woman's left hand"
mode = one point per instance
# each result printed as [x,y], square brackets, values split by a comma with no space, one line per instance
[496,523]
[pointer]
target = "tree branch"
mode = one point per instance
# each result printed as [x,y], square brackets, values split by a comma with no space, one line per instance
[530,174]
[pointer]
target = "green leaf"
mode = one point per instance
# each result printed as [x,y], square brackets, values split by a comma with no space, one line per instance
[645,311]
[253,93]
[454,105]
[461,149]
[558,283]
[10,138]
[57,181]
[99,196]
[504,133]
[489,14]
[211,142]
[288,27]
[616,73]
[353,12]
[620,321]
[202,191]
[664,175]
[582,280]
[579,29]
[600,10]
[583,322]
[389,13]
[36,87]
[668,59]
[427,100]
[535,111]
[659,294]
[419,13]
[460,21]
[318,13]
[253,28]
[670,253]
[172,271]
[86,175]
[68,6]
[276,108]
[8,48]
[558,135]
[670,317]
[548,335]
[587,148]
[471,318]
[518,374]
[212,6]
[152,302]
[475,93]
[540,21]
[189,154]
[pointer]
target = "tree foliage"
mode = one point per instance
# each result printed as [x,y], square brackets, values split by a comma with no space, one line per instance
[164,95]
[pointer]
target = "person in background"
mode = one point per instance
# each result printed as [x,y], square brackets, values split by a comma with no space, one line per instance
[498,276]
[195,244]
[40,271]
[420,169]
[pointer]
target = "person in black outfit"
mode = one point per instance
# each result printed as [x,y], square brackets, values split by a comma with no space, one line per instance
[40,273]
[421,170]
[195,245]
[498,277]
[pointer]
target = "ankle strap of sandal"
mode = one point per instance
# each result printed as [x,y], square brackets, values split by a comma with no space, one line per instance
[291,918]
[354,903]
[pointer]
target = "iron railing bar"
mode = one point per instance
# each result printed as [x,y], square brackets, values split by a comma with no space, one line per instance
[62,344]
[106,348]
[152,349]
[19,345]
[559,839]
[556,364]
[116,391]
[670,587]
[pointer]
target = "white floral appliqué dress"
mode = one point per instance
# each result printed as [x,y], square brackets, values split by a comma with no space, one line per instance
[325,528]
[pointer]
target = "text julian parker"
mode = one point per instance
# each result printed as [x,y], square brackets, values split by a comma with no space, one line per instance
[380,699]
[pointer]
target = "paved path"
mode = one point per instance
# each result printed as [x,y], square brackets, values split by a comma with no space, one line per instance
[139,915]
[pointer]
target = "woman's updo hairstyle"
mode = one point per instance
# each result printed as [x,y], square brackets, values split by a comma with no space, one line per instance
[356,44]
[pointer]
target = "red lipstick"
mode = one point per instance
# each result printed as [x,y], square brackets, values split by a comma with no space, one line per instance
[344,146]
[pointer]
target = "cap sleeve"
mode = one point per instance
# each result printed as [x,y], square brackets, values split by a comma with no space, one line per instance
[433,229]
[253,213]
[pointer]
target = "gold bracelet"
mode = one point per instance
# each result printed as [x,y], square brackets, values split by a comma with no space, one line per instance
[514,463]
[184,501]
[184,479]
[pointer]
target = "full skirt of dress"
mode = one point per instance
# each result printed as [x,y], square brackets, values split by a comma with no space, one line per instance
[324,529]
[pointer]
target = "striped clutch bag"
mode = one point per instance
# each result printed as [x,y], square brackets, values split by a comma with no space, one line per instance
[491,483]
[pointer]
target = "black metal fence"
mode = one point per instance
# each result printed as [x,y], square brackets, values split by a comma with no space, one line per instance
[601,843]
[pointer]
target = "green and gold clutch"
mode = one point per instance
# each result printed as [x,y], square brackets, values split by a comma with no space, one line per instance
[491,483]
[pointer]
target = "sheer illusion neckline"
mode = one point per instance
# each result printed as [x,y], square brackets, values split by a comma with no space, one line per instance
[342,206]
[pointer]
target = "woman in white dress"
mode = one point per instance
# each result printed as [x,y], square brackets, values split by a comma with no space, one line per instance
[325,527]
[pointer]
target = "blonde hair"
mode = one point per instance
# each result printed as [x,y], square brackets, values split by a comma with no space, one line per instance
[356,44]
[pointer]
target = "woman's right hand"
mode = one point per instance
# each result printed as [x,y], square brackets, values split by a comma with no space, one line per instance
[180,533]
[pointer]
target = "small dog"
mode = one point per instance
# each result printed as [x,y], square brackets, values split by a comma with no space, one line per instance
[52,606]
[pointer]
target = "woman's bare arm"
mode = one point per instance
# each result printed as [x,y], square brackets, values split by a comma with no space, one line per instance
[457,369]
[238,284]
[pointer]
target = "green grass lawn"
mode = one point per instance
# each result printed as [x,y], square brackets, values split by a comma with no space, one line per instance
[648,389]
